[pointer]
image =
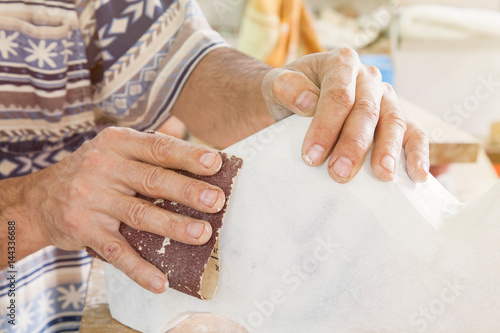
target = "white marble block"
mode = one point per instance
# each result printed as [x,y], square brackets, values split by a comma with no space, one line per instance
[301,253]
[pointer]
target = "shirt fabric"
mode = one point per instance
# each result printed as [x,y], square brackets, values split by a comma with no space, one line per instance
[65,64]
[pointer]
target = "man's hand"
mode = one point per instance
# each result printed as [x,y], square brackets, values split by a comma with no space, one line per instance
[80,201]
[352,107]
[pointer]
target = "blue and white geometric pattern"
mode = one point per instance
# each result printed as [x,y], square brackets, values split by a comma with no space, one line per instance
[51,79]
[23,163]
[42,303]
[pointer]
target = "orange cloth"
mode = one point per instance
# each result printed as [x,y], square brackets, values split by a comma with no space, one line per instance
[286,24]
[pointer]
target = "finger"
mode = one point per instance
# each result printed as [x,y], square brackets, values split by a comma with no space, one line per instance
[416,146]
[389,135]
[143,215]
[156,182]
[162,150]
[338,92]
[115,249]
[359,128]
[292,90]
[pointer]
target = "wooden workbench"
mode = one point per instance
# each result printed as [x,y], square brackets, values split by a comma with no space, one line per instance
[96,316]
[448,144]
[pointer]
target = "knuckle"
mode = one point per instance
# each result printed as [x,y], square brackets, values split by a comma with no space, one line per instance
[399,121]
[368,109]
[394,119]
[111,133]
[113,251]
[163,149]
[342,57]
[281,84]
[138,213]
[152,181]
[341,62]
[348,53]
[358,147]
[189,189]
[79,188]
[374,72]
[92,160]
[131,269]
[70,223]
[284,77]
[416,139]
[420,135]
[276,87]
[343,96]
[389,88]
[415,131]
[173,225]
[392,144]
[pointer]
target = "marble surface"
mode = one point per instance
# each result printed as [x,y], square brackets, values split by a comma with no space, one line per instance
[300,252]
[97,316]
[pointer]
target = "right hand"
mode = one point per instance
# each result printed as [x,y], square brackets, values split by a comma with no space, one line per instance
[352,110]
[81,201]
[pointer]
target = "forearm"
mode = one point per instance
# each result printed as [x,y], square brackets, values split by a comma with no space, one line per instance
[14,207]
[222,101]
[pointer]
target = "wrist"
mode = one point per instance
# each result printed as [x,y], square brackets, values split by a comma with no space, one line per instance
[17,206]
[257,86]
[257,105]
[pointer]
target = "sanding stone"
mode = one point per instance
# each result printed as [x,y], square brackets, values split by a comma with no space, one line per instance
[193,270]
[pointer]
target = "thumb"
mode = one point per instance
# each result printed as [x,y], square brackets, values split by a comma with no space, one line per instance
[287,92]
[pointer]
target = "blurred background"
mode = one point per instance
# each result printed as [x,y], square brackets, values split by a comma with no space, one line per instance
[442,57]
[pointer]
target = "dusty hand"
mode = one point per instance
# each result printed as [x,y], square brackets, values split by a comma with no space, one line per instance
[81,201]
[352,108]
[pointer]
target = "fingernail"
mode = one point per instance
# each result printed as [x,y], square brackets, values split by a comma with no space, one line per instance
[208,160]
[388,163]
[314,155]
[306,101]
[424,166]
[158,283]
[343,167]
[196,230]
[209,197]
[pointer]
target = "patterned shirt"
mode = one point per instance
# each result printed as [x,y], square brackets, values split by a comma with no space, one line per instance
[64,65]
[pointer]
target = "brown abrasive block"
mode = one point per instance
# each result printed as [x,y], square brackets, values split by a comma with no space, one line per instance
[193,270]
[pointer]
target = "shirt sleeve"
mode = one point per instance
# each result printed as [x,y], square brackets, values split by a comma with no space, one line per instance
[141,54]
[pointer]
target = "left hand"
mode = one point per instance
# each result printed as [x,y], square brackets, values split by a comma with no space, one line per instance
[352,108]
